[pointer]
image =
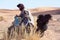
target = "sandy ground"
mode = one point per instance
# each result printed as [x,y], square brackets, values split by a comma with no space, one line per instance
[52,33]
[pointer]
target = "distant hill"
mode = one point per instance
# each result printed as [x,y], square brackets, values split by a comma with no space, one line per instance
[42,9]
[34,11]
[52,12]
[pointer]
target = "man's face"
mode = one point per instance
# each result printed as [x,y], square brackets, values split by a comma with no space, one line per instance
[20,8]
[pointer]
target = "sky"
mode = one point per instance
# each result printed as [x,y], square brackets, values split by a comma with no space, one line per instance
[11,4]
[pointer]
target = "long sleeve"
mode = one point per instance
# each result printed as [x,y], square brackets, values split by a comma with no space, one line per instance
[31,17]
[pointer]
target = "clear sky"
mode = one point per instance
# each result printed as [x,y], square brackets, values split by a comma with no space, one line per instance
[11,4]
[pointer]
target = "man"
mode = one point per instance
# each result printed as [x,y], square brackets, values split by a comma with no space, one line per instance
[25,15]
[26,18]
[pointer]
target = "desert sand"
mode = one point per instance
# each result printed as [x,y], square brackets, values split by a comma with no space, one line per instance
[53,31]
